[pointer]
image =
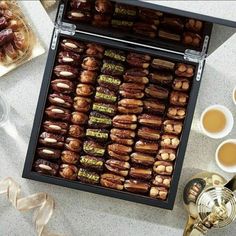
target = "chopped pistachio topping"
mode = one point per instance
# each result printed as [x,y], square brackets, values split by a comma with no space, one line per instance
[106,96]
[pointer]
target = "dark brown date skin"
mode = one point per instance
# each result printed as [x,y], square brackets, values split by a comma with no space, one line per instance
[76,131]
[59,99]
[66,71]
[77,15]
[79,118]
[3,23]
[92,162]
[69,58]
[62,86]
[55,127]
[10,51]
[19,41]
[60,113]
[103,6]
[46,167]
[72,45]
[88,77]
[94,50]
[51,140]
[136,186]
[48,153]
[69,157]
[90,63]
[73,144]
[85,5]
[82,104]
[68,171]
[6,36]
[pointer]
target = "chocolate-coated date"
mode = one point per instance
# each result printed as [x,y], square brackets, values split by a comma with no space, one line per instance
[51,140]
[48,153]
[46,167]
[55,127]
[62,86]
[58,113]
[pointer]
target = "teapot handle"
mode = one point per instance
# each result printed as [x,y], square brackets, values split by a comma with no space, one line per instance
[231,184]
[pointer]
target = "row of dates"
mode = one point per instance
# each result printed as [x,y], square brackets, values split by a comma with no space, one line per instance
[84,139]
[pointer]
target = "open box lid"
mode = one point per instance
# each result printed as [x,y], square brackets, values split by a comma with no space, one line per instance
[189,52]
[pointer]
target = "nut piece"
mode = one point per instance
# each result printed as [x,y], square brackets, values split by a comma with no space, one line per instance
[181,84]
[166,154]
[59,99]
[150,120]
[146,29]
[112,181]
[98,120]
[158,77]
[119,152]
[178,98]
[73,144]
[137,76]
[94,149]
[169,141]
[122,136]
[91,63]
[138,60]
[79,118]
[69,58]
[98,134]
[153,106]
[66,71]
[82,104]
[94,50]
[48,153]
[56,112]
[46,167]
[177,113]
[68,171]
[128,106]
[158,192]
[51,140]
[111,67]
[172,126]
[72,45]
[118,167]
[92,162]
[108,81]
[192,39]
[162,181]
[87,176]
[161,64]
[84,90]
[194,25]
[125,121]
[76,131]
[136,186]
[132,90]
[184,70]
[62,86]
[163,167]
[146,147]
[69,157]
[156,91]
[87,77]
[143,159]
[148,134]
[55,127]
[140,173]
[115,54]
[105,95]
[107,109]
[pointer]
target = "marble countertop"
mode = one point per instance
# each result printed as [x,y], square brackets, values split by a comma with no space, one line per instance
[81,213]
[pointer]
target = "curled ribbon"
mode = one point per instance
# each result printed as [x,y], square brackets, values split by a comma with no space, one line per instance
[43,203]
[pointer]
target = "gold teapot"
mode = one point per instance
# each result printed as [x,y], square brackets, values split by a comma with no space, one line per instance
[210,201]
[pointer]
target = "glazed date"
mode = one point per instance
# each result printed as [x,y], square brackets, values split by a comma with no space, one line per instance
[154,106]
[136,186]
[87,77]
[138,60]
[119,140]
[108,81]
[146,14]
[62,86]
[72,45]
[161,64]
[103,6]
[128,106]
[76,131]
[84,5]
[120,149]
[79,118]
[6,36]
[112,181]
[146,147]
[111,67]
[156,91]
[84,90]
[78,15]
[163,167]
[58,113]
[91,63]
[125,121]
[162,181]
[10,51]
[94,50]
[69,157]
[146,29]
[132,90]
[184,70]
[172,126]
[46,167]
[164,78]
[167,35]
[178,98]
[97,134]
[173,24]
[73,144]
[87,176]
[82,104]
[150,120]
[166,154]
[177,113]
[123,133]
[92,162]
[105,95]
[169,141]
[98,120]
[192,39]
[194,25]
[142,159]
[94,149]
[107,109]
[181,84]
[68,171]
[59,99]
[118,167]
[69,58]
[48,153]
[158,192]
[148,133]
[140,173]
[51,140]
[19,41]
[55,127]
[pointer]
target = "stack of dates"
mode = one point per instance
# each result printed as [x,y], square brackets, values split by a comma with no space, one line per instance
[114,118]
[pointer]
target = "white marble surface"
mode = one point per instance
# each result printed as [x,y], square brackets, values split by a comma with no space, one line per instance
[80,213]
